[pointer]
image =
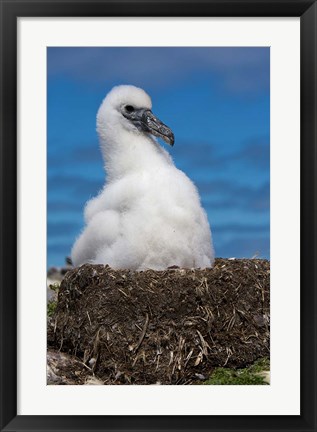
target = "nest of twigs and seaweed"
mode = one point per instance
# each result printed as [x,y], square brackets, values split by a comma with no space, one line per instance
[167,327]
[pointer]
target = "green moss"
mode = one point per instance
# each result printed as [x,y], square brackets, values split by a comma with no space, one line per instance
[260,365]
[51,306]
[247,376]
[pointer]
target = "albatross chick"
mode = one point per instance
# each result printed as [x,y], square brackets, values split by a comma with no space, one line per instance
[148,214]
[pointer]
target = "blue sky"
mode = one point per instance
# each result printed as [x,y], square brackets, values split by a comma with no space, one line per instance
[216,101]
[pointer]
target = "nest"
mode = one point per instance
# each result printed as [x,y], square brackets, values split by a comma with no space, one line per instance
[167,327]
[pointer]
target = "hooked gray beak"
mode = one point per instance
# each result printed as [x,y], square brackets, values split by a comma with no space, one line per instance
[146,121]
[154,126]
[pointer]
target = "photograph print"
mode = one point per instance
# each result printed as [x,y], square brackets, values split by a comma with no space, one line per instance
[158,215]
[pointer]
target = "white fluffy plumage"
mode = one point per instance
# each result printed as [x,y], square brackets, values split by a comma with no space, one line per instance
[148,214]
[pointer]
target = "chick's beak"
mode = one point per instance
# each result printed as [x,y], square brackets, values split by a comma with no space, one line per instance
[154,126]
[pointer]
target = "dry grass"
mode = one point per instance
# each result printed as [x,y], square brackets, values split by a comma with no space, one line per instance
[168,327]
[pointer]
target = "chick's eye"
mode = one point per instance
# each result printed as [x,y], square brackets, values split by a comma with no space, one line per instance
[129,108]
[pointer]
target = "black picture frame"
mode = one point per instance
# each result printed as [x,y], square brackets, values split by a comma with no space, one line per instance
[10,11]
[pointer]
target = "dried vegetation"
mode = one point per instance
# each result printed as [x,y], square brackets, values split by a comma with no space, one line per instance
[166,327]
